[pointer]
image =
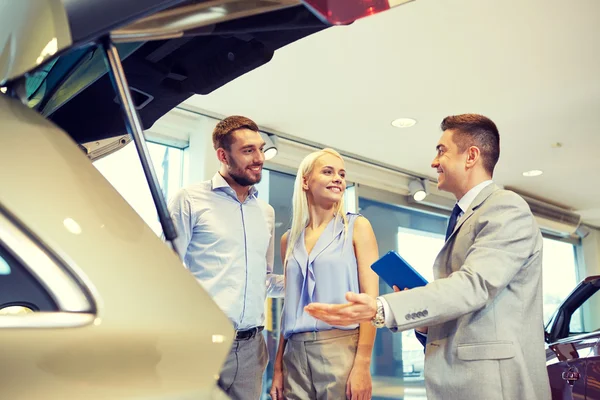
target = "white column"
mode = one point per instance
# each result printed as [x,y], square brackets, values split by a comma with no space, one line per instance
[201,159]
[351,198]
[590,250]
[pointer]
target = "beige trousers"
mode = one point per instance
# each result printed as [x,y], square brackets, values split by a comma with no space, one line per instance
[316,365]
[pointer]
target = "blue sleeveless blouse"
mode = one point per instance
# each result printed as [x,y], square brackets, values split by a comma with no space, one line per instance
[323,276]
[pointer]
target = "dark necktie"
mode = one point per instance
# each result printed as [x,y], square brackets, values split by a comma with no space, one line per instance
[452,222]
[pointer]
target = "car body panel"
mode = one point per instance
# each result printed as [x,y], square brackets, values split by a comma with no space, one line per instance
[570,356]
[161,73]
[150,331]
[573,360]
[165,73]
[90,19]
[155,332]
[23,48]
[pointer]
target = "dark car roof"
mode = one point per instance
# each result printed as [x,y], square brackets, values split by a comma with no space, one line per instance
[76,93]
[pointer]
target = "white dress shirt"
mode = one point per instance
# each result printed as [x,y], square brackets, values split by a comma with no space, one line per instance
[464,203]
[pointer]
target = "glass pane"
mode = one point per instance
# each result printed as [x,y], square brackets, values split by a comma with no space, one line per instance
[584,320]
[276,188]
[124,171]
[420,249]
[4,267]
[559,276]
[398,358]
[19,289]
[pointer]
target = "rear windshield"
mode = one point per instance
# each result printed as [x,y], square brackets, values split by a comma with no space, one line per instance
[58,81]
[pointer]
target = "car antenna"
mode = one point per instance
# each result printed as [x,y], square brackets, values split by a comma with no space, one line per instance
[134,127]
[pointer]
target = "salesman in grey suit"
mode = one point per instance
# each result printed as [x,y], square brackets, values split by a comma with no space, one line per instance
[482,314]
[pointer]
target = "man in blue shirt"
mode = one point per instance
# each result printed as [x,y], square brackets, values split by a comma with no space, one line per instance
[226,239]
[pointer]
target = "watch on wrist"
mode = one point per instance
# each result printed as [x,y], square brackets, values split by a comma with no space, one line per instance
[378,320]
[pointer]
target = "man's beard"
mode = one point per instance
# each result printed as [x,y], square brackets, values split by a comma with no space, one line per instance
[237,174]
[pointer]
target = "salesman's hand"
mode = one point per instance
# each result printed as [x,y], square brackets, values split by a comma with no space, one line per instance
[360,308]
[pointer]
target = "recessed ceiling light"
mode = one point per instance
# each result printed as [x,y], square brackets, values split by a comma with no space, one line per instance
[533,172]
[404,122]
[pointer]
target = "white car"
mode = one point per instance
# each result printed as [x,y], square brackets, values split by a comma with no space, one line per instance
[93,305]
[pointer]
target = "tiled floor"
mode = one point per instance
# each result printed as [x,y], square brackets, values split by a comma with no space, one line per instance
[393,388]
[388,388]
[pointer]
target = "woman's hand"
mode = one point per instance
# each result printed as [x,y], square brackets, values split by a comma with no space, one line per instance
[277,385]
[359,386]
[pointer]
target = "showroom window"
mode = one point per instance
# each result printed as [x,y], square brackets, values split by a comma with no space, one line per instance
[124,171]
[397,365]
[585,319]
[559,274]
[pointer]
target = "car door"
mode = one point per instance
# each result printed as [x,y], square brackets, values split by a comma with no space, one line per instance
[567,367]
[573,362]
[592,389]
[42,307]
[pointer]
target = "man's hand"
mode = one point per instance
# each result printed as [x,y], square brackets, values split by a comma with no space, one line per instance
[360,308]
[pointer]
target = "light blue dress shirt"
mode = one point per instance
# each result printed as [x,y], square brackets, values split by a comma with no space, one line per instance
[229,247]
[325,276]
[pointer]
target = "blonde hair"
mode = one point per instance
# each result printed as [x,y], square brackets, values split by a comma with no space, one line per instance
[300,212]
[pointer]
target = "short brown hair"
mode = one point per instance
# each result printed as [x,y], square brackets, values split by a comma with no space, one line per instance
[222,134]
[475,130]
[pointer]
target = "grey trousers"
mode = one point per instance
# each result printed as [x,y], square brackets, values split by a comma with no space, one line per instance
[316,365]
[242,373]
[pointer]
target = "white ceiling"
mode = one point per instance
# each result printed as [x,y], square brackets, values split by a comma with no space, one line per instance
[533,66]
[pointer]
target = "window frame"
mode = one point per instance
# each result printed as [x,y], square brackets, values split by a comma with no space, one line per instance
[75,303]
[561,322]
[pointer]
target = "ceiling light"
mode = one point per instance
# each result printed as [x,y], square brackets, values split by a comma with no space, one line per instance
[533,172]
[418,189]
[404,122]
[3,89]
[270,148]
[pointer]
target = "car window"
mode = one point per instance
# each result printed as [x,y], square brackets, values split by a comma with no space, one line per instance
[584,320]
[19,289]
[4,267]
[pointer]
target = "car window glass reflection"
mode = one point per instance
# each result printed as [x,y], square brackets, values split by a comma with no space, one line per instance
[584,319]
[15,310]
[4,267]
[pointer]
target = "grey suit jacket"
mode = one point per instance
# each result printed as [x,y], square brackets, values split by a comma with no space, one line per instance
[484,308]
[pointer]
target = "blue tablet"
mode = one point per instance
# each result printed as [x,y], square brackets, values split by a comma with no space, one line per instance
[394,270]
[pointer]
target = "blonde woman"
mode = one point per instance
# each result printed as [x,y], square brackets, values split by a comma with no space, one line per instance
[326,254]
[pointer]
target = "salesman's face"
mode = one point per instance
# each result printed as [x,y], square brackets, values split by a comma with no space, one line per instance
[450,164]
[245,158]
